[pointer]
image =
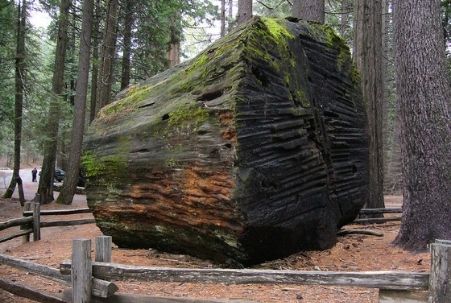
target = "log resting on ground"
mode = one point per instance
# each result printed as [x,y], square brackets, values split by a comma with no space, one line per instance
[253,150]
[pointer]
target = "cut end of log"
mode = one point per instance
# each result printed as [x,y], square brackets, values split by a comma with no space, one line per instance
[253,150]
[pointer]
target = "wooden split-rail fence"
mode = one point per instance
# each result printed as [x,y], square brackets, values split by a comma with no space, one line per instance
[31,222]
[91,281]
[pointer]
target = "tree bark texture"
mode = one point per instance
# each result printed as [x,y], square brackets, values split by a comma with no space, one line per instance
[369,61]
[255,149]
[127,36]
[310,10]
[230,12]
[107,56]
[424,95]
[174,43]
[19,94]
[223,18]
[45,189]
[95,60]
[72,173]
[244,11]
[346,7]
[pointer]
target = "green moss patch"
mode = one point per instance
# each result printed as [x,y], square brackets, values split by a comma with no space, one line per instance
[134,95]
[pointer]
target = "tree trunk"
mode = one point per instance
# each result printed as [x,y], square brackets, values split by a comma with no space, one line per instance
[223,19]
[72,173]
[107,57]
[423,93]
[95,61]
[45,189]
[230,21]
[174,44]
[18,103]
[311,10]
[392,152]
[346,6]
[244,11]
[128,23]
[368,47]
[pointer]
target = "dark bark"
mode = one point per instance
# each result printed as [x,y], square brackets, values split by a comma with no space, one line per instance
[72,174]
[393,184]
[244,11]
[423,94]
[311,10]
[346,6]
[95,60]
[368,58]
[223,18]
[20,67]
[174,43]
[45,189]
[127,36]
[107,57]
[230,13]
[245,163]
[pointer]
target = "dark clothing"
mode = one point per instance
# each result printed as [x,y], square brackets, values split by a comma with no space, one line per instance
[34,172]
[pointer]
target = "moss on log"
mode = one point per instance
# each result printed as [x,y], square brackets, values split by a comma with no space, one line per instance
[255,149]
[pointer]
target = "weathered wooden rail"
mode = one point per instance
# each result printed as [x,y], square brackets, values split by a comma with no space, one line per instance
[90,279]
[31,223]
[377,211]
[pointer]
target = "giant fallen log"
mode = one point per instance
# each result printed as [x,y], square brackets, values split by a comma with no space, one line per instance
[255,149]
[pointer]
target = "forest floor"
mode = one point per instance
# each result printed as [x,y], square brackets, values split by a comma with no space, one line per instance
[351,253]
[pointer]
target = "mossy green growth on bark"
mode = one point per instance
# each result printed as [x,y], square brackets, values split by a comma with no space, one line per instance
[111,165]
[277,30]
[135,94]
[191,116]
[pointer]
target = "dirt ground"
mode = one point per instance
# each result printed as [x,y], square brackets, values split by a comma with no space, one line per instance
[351,253]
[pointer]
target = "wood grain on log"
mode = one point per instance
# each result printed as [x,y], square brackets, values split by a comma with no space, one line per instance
[27,292]
[253,150]
[57,212]
[42,270]
[67,223]
[374,279]
[17,234]
[14,222]
[386,210]
[440,288]
[100,288]
[132,298]
[81,275]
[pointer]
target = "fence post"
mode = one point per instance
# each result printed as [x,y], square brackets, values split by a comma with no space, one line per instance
[440,277]
[36,221]
[103,248]
[81,274]
[26,238]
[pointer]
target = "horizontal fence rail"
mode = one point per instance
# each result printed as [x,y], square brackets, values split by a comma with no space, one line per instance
[371,279]
[91,278]
[387,210]
[15,222]
[100,288]
[376,220]
[55,212]
[67,223]
[29,293]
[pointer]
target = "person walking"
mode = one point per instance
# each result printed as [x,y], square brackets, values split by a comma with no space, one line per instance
[34,172]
